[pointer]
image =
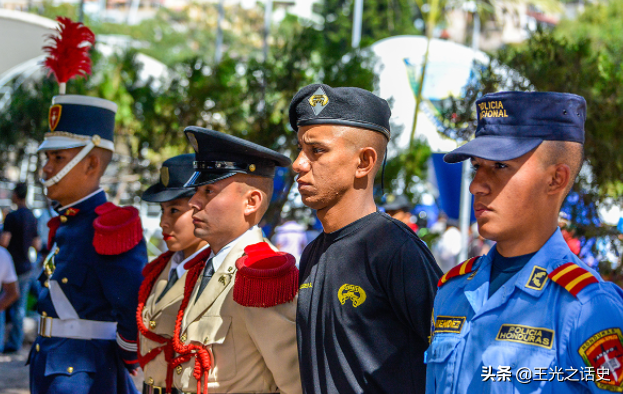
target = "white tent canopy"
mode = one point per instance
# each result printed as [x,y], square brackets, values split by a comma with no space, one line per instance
[23,35]
[448,72]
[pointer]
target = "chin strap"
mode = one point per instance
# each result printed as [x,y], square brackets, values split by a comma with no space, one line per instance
[93,142]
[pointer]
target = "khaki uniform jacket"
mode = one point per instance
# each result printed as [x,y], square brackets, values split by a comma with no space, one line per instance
[253,350]
[159,317]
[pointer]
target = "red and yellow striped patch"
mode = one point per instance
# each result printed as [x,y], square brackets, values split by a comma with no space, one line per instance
[572,277]
[461,269]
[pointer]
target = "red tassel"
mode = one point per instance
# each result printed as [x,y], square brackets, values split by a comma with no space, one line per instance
[117,229]
[68,55]
[265,278]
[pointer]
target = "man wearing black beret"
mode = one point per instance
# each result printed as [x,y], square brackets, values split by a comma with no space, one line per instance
[367,283]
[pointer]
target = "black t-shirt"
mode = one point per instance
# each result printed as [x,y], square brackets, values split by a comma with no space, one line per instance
[22,225]
[364,309]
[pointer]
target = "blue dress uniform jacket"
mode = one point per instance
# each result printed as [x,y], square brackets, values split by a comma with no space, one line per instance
[100,288]
[533,322]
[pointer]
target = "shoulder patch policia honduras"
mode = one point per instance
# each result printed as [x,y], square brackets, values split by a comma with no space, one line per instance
[604,350]
[527,335]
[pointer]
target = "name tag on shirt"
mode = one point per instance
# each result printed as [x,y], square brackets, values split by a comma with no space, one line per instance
[452,324]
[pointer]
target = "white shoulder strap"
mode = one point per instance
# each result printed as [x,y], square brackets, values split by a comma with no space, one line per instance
[63,307]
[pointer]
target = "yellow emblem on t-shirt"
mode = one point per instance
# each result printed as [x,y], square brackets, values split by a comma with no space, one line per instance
[353,293]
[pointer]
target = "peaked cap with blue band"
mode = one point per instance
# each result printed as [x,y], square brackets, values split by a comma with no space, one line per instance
[75,120]
[174,174]
[322,104]
[511,124]
[220,156]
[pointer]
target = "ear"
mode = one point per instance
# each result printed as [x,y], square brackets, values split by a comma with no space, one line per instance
[93,164]
[367,160]
[559,180]
[253,201]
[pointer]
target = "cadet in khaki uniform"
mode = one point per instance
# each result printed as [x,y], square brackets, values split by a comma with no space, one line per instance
[236,325]
[162,290]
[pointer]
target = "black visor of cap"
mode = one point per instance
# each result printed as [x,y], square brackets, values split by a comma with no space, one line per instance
[201,178]
[220,156]
[495,148]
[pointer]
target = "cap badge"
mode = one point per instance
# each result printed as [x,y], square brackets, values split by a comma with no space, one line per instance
[164,176]
[54,116]
[193,141]
[318,101]
[390,198]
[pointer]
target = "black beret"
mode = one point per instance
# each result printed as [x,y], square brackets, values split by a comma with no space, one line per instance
[174,174]
[511,124]
[322,104]
[221,155]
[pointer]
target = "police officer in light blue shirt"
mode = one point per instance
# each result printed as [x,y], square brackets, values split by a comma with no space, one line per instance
[529,317]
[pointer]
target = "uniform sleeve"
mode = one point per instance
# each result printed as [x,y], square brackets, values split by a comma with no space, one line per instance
[412,285]
[596,339]
[121,278]
[273,331]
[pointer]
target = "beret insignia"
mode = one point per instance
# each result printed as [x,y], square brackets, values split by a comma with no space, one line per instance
[318,101]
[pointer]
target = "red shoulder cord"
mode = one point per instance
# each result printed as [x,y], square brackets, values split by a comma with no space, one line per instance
[151,272]
[203,362]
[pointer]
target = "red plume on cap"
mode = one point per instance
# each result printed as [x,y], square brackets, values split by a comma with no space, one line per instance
[265,278]
[68,56]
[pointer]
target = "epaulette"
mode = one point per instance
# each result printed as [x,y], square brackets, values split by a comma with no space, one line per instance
[461,269]
[572,277]
[265,278]
[117,229]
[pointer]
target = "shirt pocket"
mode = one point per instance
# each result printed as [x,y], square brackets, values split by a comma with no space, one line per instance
[214,333]
[441,359]
[515,368]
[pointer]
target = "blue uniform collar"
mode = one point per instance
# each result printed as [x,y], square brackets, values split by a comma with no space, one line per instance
[87,204]
[552,255]
[532,278]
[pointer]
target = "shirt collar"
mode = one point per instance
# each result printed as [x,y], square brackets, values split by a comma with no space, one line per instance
[219,258]
[178,261]
[83,199]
